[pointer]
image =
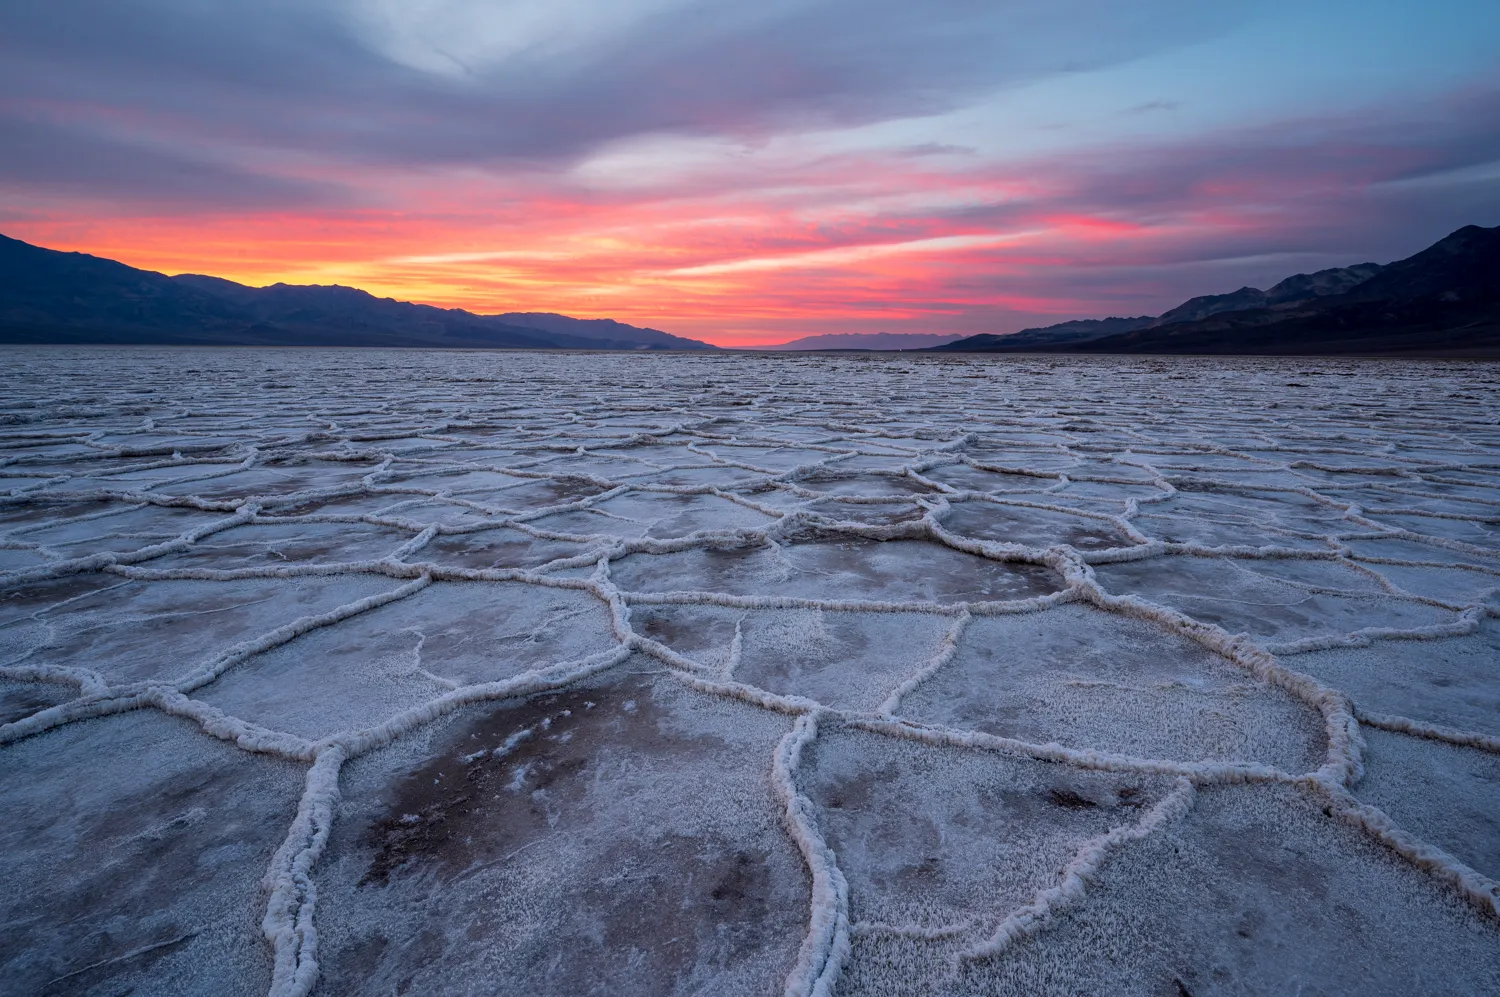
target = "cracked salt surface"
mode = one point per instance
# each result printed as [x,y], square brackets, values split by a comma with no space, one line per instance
[580,674]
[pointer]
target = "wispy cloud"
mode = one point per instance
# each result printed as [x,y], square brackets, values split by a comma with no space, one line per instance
[737,172]
[844,255]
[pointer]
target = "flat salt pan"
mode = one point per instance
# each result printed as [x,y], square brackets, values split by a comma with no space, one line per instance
[399,656]
[1255,892]
[1451,683]
[1102,681]
[949,842]
[1446,794]
[548,843]
[21,699]
[848,660]
[137,869]
[164,629]
[897,571]
[368,672]
[1240,598]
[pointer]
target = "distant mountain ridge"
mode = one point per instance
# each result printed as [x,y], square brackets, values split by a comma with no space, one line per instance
[1443,301]
[47,296]
[865,341]
[1076,331]
[1301,287]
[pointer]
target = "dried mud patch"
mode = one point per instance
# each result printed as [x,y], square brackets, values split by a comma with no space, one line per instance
[602,840]
[500,783]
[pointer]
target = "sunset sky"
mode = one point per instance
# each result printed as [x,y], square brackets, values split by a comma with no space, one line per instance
[752,172]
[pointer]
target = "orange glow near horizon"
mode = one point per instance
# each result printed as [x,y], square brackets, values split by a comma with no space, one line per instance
[749,174]
[897,250]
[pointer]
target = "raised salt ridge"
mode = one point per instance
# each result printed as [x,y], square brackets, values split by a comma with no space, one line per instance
[437,673]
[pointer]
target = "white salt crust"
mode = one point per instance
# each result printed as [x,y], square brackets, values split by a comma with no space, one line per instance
[752,487]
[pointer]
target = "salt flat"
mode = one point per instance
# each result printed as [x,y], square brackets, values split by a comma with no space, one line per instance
[347,672]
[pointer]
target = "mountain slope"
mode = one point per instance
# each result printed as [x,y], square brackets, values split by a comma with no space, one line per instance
[40,288]
[864,341]
[1301,287]
[1444,300]
[53,297]
[1464,266]
[1076,331]
[601,330]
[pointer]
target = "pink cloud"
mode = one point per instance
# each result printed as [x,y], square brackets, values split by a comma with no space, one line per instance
[757,252]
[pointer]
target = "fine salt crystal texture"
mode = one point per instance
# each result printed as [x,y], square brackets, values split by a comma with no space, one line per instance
[367,672]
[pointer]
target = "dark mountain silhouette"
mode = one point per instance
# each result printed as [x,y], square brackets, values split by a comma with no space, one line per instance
[863,341]
[1077,331]
[1294,289]
[601,330]
[48,296]
[1444,301]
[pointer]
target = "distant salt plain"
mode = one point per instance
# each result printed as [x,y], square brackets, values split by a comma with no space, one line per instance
[346,672]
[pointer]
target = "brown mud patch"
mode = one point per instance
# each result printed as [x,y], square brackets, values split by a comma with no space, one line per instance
[505,781]
[554,821]
[542,493]
[688,630]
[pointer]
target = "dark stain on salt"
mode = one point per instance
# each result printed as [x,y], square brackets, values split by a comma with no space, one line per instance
[504,781]
[1069,799]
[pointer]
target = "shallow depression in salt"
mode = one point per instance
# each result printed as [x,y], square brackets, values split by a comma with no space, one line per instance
[463,673]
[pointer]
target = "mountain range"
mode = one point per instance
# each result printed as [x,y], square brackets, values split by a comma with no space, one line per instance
[865,341]
[48,296]
[1444,301]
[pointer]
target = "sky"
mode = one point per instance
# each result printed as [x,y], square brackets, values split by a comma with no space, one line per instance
[748,173]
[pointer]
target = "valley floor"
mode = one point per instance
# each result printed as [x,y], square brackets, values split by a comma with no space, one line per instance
[388,672]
